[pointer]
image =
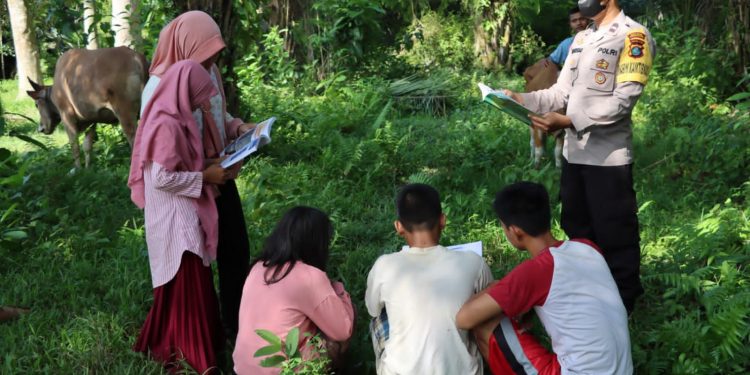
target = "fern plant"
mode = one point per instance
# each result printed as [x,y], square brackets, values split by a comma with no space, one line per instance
[431,94]
[704,320]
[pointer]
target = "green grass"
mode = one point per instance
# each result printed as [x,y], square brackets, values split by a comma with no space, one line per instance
[83,269]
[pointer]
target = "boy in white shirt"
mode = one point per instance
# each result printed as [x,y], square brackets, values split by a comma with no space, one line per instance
[421,288]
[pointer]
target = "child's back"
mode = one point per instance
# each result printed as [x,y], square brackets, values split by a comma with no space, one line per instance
[567,283]
[422,289]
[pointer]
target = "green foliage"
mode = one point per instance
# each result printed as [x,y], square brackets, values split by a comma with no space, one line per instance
[527,48]
[81,241]
[436,40]
[700,283]
[290,359]
[351,129]
[547,18]
[268,62]
[154,15]
[11,178]
[742,99]
[332,34]
[431,94]
[12,173]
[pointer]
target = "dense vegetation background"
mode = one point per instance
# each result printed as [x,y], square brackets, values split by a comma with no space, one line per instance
[371,95]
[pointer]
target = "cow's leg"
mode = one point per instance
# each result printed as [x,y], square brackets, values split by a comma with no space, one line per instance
[128,127]
[88,143]
[559,142]
[126,113]
[72,131]
[538,145]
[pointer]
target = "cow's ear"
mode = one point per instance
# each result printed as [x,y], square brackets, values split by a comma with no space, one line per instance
[34,85]
[34,94]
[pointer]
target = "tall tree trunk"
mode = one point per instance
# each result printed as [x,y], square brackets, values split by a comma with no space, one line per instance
[284,14]
[482,49]
[125,23]
[25,44]
[506,41]
[739,26]
[491,46]
[89,28]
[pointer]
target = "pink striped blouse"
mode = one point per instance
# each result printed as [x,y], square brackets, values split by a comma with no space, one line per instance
[172,225]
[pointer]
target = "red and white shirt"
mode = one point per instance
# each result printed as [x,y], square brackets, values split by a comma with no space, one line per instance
[572,291]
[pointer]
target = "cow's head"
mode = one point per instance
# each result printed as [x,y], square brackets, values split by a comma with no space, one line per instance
[49,116]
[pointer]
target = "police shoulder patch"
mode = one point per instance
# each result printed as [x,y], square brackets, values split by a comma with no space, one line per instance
[636,59]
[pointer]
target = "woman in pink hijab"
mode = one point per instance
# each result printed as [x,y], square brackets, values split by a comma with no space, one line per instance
[195,36]
[170,180]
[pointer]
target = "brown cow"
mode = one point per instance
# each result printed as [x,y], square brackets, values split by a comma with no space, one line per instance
[540,76]
[90,87]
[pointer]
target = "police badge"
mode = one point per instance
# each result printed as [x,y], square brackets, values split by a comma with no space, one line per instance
[637,41]
[600,78]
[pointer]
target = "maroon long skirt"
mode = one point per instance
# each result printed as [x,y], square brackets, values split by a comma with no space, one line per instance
[183,323]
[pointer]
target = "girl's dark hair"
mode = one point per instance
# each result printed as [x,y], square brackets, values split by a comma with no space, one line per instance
[303,234]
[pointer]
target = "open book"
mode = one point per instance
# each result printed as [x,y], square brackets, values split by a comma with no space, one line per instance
[504,103]
[473,247]
[247,143]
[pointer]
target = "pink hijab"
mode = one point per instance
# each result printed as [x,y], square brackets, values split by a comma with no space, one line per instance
[192,35]
[168,135]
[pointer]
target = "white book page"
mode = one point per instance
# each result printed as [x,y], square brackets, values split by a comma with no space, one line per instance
[248,143]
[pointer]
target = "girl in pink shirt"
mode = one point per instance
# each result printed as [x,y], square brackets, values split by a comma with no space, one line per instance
[288,287]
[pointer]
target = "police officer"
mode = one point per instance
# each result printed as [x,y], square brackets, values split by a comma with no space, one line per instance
[601,80]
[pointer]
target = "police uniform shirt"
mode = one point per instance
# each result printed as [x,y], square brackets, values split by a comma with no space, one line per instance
[600,83]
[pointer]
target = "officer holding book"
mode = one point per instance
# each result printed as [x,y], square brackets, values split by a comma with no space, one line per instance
[601,81]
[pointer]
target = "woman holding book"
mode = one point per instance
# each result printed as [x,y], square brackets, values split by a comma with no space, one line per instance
[195,36]
[170,181]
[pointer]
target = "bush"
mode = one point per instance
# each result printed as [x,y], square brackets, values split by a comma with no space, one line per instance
[436,40]
[526,49]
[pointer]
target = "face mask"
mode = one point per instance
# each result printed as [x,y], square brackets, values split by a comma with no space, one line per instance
[590,8]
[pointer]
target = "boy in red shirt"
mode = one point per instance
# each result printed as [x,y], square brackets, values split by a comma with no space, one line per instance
[569,286]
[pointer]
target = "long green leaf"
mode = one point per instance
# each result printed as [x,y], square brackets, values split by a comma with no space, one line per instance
[292,340]
[269,336]
[383,113]
[8,211]
[739,96]
[15,235]
[267,350]
[31,120]
[28,139]
[274,361]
